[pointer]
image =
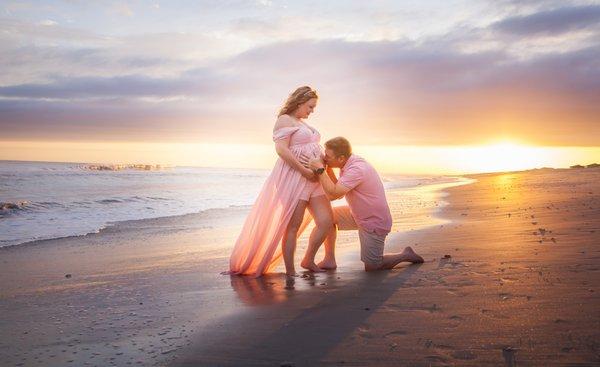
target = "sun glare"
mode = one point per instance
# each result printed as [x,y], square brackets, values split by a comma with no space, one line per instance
[497,156]
[504,156]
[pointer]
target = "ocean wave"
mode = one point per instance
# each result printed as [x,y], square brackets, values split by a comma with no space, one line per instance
[143,199]
[240,206]
[157,198]
[94,228]
[109,201]
[419,181]
[131,199]
[46,204]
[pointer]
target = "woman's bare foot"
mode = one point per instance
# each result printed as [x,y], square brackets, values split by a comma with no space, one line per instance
[291,274]
[327,264]
[310,265]
[412,256]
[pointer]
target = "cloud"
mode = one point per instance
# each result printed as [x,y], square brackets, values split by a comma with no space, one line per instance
[114,87]
[122,9]
[48,22]
[395,86]
[33,53]
[551,22]
[20,30]
[455,88]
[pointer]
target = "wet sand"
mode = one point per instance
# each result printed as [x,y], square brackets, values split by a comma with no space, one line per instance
[520,287]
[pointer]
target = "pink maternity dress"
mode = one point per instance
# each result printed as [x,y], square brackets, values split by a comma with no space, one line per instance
[257,250]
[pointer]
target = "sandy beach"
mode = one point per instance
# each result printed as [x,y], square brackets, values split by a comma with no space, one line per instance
[511,278]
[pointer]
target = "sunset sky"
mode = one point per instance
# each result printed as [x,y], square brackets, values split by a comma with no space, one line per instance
[428,86]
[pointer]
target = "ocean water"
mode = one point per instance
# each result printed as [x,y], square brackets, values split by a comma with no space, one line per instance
[40,200]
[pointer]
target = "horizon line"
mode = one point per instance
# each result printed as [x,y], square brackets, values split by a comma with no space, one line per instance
[583,166]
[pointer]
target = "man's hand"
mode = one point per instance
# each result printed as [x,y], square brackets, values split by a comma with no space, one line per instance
[311,163]
[315,164]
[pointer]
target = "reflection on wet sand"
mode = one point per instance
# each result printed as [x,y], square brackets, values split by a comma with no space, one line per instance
[260,291]
[270,288]
[277,287]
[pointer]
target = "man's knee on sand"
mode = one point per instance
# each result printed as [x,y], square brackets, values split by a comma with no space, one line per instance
[372,266]
[371,249]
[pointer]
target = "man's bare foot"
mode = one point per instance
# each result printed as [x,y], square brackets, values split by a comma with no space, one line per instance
[327,264]
[412,256]
[291,274]
[310,265]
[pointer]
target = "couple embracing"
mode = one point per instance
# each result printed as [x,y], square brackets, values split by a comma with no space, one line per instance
[303,178]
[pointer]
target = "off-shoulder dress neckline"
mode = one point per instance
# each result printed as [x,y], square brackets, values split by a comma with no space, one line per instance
[314,131]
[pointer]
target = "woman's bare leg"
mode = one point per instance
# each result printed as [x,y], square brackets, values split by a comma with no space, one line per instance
[289,237]
[320,208]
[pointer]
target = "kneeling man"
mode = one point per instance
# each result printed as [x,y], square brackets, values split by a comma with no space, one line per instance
[367,210]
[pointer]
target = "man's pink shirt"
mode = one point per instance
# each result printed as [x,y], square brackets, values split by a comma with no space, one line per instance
[366,197]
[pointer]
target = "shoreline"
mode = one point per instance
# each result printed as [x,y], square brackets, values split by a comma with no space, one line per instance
[168,218]
[123,223]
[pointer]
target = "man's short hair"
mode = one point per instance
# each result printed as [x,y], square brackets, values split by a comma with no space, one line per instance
[340,146]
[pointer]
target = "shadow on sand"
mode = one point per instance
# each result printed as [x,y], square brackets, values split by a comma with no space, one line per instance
[298,326]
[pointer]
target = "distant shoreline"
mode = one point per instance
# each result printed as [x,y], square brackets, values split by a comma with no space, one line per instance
[268,169]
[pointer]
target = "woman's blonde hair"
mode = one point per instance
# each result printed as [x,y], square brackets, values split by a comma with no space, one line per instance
[298,97]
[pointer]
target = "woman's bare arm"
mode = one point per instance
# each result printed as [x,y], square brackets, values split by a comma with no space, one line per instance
[283,150]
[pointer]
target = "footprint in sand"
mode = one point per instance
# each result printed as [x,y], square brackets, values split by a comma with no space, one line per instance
[493,314]
[395,333]
[364,332]
[464,355]
[510,359]
[443,347]
[435,358]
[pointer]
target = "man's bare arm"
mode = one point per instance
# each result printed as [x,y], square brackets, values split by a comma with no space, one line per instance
[332,187]
[333,190]
[331,174]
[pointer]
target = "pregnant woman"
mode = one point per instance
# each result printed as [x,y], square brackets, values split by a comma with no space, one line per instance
[277,215]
